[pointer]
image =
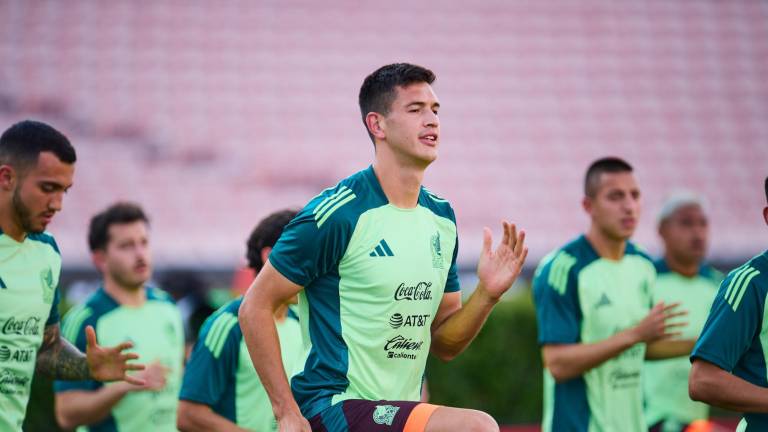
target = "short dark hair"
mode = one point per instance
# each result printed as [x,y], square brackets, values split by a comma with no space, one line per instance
[118,213]
[599,167]
[266,234]
[22,143]
[379,88]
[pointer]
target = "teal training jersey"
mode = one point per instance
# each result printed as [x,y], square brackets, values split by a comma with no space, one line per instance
[220,373]
[373,277]
[155,328]
[583,298]
[29,299]
[735,336]
[665,382]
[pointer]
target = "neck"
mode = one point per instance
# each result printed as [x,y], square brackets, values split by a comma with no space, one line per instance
[400,182]
[687,269]
[605,246]
[125,296]
[10,226]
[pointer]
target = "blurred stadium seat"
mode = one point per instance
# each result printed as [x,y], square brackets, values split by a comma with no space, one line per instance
[213,115]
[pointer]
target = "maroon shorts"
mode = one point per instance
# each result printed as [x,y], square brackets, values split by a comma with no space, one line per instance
[357,415]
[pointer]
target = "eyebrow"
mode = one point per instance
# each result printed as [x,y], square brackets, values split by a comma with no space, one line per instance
[421,104]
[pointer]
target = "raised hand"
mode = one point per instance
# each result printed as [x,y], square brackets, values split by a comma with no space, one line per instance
[153,377]
[656,326]
[293,423]
[498,269]
[109,363]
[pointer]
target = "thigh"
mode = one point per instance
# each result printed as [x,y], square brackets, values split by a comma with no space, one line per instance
[448,419]
[356,415]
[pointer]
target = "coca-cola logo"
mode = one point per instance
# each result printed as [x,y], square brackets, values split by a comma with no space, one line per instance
[420,291]
[22,327]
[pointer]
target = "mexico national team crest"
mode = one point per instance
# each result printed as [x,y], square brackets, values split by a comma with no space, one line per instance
[385,414]
[437,251]
[46,280]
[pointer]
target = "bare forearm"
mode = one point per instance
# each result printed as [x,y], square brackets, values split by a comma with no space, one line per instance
[572,360]
[258,326]
[666,349]
[708,383]
[77,408]
[453,335]
[59,359]
[195,417]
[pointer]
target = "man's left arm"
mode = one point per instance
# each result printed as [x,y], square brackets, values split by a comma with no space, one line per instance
[59,359]
[665,349]
[455,326]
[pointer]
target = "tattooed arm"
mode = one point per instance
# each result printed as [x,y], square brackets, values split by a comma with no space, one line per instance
[59,359]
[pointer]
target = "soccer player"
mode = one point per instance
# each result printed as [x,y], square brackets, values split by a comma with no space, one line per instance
[221,390]
[37,164]
[681,278]
[730,357]
[595,316]
[374,262]
[125,308]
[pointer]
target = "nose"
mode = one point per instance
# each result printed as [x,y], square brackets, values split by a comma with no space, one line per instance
[56,202]
[431,119]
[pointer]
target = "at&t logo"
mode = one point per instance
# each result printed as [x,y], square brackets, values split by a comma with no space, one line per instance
[397,320]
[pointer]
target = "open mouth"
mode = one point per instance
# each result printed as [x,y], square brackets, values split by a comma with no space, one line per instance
[429,139]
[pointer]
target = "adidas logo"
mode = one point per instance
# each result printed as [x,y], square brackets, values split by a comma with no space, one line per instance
[382,249]
[604,301]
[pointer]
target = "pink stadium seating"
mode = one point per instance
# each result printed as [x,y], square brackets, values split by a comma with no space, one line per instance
[214,114]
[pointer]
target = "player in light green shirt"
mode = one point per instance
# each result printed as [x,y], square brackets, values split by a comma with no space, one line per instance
[373,260]
[125,308]
[597,321]
[36,169]
[221,390]
[681,278]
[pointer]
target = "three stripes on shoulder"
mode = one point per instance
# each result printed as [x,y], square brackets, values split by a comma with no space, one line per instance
[218,333]
[330,204]
[742,276]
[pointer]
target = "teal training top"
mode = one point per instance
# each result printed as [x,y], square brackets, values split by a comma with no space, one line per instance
[29,299]
[155,328]
[373,277]
[665,382]
[220,373]
[583,298]
[735,336]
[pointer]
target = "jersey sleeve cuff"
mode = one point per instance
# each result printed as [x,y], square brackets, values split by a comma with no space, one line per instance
[711,358]
[196,397]
[285,270]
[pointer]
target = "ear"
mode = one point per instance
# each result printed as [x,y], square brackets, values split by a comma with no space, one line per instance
[586,204]
[265,253]
[7,177]
[99,260]
[375,124]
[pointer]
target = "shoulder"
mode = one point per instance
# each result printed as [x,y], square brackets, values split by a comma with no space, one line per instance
[45,238]
[711,274]
[158,295]
[438,205]
[87,313]
[635,250]
[342,203]
[556,268]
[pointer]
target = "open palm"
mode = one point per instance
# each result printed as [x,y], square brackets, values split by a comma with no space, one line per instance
[109,363]
[498,269]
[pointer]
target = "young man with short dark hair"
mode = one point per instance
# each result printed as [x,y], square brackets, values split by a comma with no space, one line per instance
[124,307]
[597,322]
[37,164]
[373,260]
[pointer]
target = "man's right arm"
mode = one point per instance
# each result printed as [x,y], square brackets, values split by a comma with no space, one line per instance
[82,407]
[197,417]
[710,384]
[78,406]
[269,290]
[567,361]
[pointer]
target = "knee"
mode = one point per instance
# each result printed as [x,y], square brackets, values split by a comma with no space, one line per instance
[479,421]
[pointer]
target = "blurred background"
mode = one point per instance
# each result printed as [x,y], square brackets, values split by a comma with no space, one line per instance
[213,114]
